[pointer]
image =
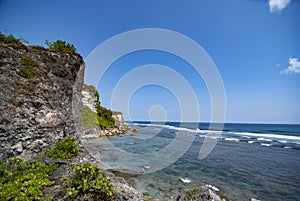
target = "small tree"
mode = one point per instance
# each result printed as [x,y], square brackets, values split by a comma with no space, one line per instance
[62,46]
[9,39]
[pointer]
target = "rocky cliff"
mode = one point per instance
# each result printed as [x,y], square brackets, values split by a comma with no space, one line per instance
[40,98]
[89,97]
[91,127]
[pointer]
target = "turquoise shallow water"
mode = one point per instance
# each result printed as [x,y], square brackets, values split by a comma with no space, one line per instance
[261,164]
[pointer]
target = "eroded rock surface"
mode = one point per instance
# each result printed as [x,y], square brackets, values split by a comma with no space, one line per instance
[40,102]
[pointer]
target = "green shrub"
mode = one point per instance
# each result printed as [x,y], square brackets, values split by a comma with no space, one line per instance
[27,70]
[64,149]
[9,39]
[22,180]
[28,61]
[105,117]
[61,46]
[87,177]
[12,40]
[193,191]
[104,123]
[89,118]
[102,118]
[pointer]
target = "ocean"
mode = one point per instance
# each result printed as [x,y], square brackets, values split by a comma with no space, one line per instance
[260,161]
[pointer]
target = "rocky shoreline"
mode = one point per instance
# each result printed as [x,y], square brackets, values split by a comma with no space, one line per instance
[202,193]
[108,132]
[122,190]
[42,97]
[126,192]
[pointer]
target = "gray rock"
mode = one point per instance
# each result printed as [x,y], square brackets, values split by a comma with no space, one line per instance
[203,193]
[18,147]
[46,106]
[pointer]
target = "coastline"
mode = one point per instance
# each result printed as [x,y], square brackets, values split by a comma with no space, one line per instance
[228,167]
[202,193]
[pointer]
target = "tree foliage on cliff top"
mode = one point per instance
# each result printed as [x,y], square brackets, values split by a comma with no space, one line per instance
[11,39]
[61,46]
[116,113]
[105,117]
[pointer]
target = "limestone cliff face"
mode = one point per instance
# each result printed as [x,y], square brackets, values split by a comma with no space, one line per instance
[118,118]
[89,97]
[40,98]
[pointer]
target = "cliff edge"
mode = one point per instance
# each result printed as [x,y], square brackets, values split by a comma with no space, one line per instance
[40,98]
[97,120]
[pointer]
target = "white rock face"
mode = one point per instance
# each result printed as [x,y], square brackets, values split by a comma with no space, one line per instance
[89,99]
[118,118]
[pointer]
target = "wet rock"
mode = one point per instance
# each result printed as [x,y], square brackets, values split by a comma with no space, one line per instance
[135,130]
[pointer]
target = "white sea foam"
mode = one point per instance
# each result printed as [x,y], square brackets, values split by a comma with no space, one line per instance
[267,136]
[185,180]
[216,134]
[264,139]
[264,144]
[212,187]
[232,139]
[196,130]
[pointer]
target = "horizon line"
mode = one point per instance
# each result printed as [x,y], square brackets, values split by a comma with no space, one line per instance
[174,121]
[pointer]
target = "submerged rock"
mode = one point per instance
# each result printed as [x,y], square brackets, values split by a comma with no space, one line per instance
[135,130]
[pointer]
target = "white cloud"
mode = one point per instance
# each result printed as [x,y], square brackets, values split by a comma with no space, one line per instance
[294,66]
[278,5]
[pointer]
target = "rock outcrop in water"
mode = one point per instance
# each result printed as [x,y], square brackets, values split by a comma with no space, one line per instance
[40,98]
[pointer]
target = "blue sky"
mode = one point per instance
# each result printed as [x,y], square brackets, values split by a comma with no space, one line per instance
[254,44]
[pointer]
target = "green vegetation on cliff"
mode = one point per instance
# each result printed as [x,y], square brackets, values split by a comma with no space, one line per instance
[101,118]
[105,117]
[87,177]
[63,149]
[61,46]
[27,71]
[23,180]
[89,118]
[11,39]
[30,180]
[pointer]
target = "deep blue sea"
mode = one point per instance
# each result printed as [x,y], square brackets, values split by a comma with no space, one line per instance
[260,161]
